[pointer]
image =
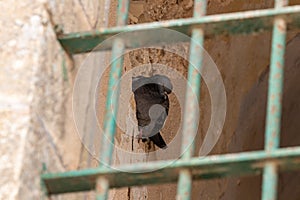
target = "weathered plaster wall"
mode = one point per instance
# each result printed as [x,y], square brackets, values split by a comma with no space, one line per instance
[36,86]
[28,75]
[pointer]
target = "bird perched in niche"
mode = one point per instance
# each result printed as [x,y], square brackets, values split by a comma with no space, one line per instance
[152,106]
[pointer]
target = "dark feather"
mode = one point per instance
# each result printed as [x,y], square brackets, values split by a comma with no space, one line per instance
[152,105]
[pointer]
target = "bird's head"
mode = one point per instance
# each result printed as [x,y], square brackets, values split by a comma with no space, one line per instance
[163,81]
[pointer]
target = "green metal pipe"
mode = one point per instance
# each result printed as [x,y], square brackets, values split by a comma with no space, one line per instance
[184,185]
[102,186]
[199,8]
[114,76]
[209,167]
[107,143]
[275,86]
[231,23]
[269,191]
[281,3]
[112,101]
[190,123]
[122,15]
[190,119]
[274,105]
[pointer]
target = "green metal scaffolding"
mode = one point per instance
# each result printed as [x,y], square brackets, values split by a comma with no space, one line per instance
[188,168]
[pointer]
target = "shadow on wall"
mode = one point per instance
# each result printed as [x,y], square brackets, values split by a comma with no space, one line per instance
[249,134]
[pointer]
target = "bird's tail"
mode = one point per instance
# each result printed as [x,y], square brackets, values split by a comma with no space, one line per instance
[158,140]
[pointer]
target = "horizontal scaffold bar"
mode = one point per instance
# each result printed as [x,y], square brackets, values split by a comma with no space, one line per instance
[209,167]
[232,23]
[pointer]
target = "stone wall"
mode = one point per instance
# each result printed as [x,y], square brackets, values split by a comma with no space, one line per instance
[36,87]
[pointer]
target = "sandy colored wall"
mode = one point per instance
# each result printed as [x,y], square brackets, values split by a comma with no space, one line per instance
[36,118]
[29,78]
[36,96]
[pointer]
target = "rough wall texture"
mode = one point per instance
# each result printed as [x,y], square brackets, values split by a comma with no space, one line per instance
[36,79]
[248,135]
[28,76]
[36,84]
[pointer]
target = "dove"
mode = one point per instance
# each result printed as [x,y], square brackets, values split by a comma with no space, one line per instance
[152,106]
